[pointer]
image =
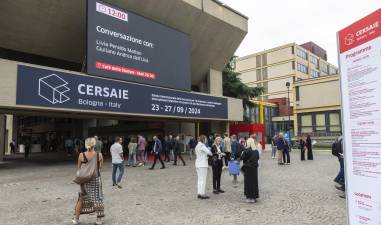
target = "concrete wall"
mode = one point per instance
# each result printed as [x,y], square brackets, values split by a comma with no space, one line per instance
[235,109]
[315,95]
[280,55]
[215,82]
[9,133]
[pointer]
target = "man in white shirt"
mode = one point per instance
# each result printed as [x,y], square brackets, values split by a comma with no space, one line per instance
[117,161]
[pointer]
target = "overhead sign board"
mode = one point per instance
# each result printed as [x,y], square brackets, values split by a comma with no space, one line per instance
[59,90]
[360,69]
[123,45]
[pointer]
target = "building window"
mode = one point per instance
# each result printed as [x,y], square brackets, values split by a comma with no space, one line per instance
[258,75]
[332,70]
[302,54]
[302,68]
[292,50]
[306,123]
[324,67]
[264,59]
[293,65]
[334,122]
[297,93]
[314,60]
[315,73]
[320,122]
[258,60]
[264,74]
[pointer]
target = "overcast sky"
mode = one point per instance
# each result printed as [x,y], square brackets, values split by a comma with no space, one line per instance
[276,22]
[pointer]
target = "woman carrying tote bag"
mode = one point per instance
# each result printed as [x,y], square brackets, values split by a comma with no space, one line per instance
[88,176]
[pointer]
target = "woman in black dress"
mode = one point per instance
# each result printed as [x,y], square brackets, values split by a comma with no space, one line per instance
[217,165]
[302,144]
[310,155]
[250,159]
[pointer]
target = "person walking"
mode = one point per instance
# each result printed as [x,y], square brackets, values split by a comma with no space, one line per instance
[90,198]
[302,145]
[177,151]
[166,147]
[192,145]
[116,151]
[201,164]
[156,150]
[250,158]
[12,145]
[69,146]
[132,147]
[227,149]
[310,155]
[98,145]
[171,141]
[217,165]
[142,143]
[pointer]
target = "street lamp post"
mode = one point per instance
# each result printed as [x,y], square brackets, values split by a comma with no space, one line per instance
[288,100]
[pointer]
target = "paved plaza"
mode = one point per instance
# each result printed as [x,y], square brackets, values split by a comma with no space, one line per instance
[302,193]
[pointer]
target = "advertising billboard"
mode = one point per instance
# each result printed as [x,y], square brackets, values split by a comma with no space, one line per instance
[360,69]
[59,90]
[123,45]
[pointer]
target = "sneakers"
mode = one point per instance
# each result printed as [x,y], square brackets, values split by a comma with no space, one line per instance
[119,186]
[75,221]
[221,191]
[251,200]
[216,192]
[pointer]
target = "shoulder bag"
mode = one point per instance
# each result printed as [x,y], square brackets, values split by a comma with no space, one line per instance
[87,171]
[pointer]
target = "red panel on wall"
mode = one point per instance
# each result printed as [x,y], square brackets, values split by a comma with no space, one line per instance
[245,129]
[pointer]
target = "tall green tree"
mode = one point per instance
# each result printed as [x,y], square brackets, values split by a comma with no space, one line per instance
[233,86]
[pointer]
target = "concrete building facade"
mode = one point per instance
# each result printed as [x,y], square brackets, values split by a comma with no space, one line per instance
[317,109]
[277,70]
[38,34]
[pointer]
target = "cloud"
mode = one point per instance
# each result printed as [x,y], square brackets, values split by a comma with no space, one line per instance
[276,22]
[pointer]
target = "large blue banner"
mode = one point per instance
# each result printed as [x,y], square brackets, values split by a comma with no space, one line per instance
[54,89]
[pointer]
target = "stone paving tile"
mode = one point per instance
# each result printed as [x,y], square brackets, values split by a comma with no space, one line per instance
[302,193]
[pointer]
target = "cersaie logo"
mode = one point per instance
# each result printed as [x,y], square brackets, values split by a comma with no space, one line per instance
[53,88]
[349,39]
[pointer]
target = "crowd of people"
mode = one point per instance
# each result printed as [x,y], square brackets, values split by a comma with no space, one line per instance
[217,152]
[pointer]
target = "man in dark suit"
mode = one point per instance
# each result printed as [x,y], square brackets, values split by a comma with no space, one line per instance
[157,148]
